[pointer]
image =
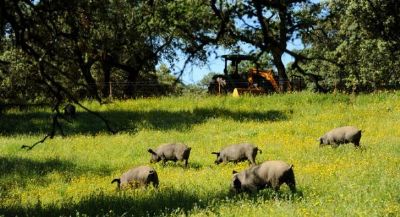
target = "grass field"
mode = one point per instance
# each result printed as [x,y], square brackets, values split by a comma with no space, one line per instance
[70,176]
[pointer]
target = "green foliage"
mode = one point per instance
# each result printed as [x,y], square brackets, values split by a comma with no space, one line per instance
[16,79]
[205,81]
[67,50]
[263,62]
[348,53]
[265,26]
[70,176]
[78,48]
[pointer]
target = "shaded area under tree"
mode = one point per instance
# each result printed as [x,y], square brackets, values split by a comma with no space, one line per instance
[131,121]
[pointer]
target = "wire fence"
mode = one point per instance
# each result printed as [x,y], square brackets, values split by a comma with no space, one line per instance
[137,89]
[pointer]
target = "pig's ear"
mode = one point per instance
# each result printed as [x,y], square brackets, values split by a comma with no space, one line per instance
[234,172]
[217,153]
[237,184]
[151,151]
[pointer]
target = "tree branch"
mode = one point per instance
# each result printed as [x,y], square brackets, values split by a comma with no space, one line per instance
[28,148]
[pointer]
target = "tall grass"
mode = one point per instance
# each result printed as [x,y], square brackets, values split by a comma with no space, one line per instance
[71,175]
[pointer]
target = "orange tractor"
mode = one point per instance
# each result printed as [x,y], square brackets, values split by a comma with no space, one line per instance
[253,81]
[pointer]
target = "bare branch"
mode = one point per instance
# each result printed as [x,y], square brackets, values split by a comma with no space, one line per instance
[28,148]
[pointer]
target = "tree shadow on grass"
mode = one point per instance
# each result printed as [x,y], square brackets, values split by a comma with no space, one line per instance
[128,203]
[142,203]
[131,121]
[20,171]
[25,167]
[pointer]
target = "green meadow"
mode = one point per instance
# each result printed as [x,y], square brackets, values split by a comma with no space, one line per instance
[71,175]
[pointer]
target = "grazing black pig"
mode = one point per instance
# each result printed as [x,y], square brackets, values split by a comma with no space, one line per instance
[270,174]
[236,153]
[138,176]
[69,110]
[170,152]
[341,135]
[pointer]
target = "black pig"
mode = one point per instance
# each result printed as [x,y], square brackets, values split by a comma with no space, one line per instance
[341,135]
[138,176]
[170,152]
[236,153]
[69,111]
[270,174]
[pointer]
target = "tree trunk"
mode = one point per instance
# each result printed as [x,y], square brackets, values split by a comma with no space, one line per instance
[91,83]
[85,66]
[283,78]
[107,79]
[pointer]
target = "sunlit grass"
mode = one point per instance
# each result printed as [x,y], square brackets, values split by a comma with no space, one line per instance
[72,175]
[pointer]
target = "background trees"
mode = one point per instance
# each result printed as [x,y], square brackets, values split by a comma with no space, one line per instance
[64,51]
[77,48]
[354,45]
[265,25]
